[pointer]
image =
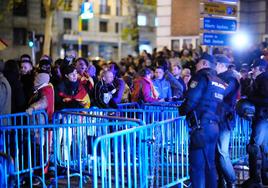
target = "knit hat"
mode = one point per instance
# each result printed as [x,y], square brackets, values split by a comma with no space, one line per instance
[68,69]
[44,66]
[40,79]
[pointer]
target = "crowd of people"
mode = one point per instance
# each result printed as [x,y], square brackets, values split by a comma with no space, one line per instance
[204,82]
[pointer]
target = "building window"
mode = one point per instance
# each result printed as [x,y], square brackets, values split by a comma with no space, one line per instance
[118,8]
[84,25]
[116,27]
[142,20]
[103,26]
[67,24]
[20,8]
[105,9]
[156,23]
[19,36]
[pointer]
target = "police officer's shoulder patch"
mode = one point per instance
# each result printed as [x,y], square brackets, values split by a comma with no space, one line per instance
[193,84]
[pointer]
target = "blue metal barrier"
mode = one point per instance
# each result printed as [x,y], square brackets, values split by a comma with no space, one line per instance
[240,137]
[145,156]
[90,132]
[154,155]
[19,141]
[78,161]
[146,115]
[133,105]
[37,117]
[162,105]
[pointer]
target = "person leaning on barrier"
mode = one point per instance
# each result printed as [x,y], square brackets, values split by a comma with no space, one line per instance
[144,90]
[202,100]
[258,147]
[226,173]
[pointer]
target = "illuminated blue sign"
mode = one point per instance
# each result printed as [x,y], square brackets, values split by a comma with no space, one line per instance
[217,39]
[220,24]
[86,10]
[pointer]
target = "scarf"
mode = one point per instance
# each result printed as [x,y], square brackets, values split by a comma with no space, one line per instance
[155,93]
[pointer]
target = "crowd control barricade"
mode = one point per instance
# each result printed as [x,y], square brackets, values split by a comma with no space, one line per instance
[132,105]
[162,105]
[240,137]
[78,162]
[154,155]
[15,144]
[146,115]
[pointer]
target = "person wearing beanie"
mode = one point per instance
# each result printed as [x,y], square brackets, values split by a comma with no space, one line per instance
[25,57]
[43,97]
[5,94]
[44,66]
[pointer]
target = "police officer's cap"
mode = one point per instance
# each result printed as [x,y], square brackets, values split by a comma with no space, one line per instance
[259,63]
[220,58]
[206,56]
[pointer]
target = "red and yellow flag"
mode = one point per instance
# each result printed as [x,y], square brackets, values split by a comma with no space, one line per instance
[3,45]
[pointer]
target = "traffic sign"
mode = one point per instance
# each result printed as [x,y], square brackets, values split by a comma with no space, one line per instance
[220,9]
[220,24]
[87,10]
[217,39]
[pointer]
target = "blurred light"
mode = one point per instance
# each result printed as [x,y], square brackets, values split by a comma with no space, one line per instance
[62,53]
[156,23]
[146,47]
[240,41]
[31,44]
[142,20]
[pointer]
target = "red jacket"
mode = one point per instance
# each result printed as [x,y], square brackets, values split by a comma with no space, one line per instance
[142,91]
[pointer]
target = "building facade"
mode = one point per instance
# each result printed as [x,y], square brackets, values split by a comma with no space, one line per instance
[179,21]
[101,35]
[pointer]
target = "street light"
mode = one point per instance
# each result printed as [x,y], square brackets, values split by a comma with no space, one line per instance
[86,13]
[241,41]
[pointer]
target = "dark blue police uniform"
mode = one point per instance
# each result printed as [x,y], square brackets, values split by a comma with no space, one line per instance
[205,94]
[227,122]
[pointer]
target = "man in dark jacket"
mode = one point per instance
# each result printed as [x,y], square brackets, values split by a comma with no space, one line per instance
[258,147]
[202,100]
[105,91]
[227,122]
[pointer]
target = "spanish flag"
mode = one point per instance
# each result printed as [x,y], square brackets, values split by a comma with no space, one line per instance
[3,45]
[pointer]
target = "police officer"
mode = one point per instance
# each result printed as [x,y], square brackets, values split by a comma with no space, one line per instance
[202,100]
[258,147]
[226,173]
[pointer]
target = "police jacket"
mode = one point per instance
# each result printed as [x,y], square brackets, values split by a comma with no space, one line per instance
[227,109]
[259,95]
[231,91]
[205,94]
